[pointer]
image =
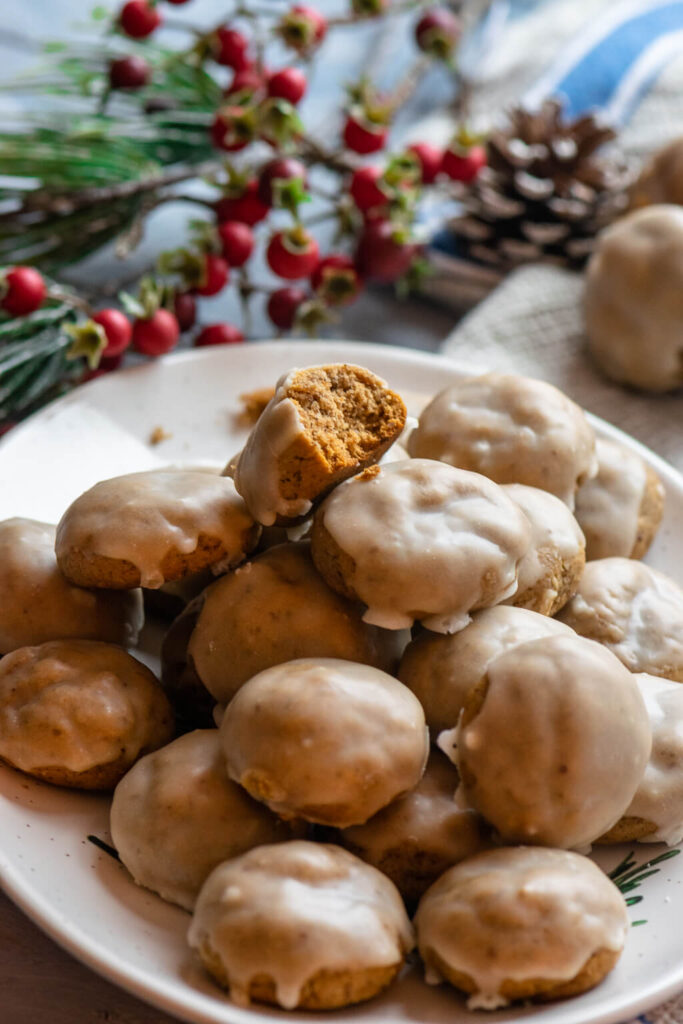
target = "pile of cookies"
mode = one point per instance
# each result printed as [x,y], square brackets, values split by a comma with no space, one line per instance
[397,685]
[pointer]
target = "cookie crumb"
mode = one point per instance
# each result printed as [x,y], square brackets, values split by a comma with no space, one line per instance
[253,404]
[158,435]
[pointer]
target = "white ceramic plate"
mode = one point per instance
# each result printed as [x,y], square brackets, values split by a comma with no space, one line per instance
[82,897]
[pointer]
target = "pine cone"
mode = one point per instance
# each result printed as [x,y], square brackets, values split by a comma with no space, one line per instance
[544,194]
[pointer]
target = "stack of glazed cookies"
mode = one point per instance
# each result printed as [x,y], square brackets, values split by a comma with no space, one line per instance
[406,692]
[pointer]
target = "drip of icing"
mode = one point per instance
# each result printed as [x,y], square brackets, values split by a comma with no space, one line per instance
[295,909]
[608,506]
[427,541]
[518,914]
[142,517]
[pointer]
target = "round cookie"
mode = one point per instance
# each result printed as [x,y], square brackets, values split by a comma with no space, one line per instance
[148,528]
[418,539]
[550,571]
[417,837]
[521,923]
[620,509]
[514,430]
[655,814]
[300,925]
[176,816]
[661,180]
[40,604]
[274,609]
[441,670]
[79,713]
[323,424]
[553,743]
[635,611]
[359,735]
[634,299]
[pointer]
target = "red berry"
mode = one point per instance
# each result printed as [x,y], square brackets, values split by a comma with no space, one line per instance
[283,304]
[178,2]
[218,334]
[157,334]
[129,72]
[25,291]
[118,330]
[364,137]
[283,168]
[248,80]
[246,207]
[430,160]
[233,128]
[365,190]
[237,241]
[185,310]
[437,32]
[216,275]
[380,255]
[292,254]
[303,28]
[464,164]
[337,280]
[138,19]
[231,49]
[288,84]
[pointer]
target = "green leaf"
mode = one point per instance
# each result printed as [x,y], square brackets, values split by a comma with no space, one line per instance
[100,13]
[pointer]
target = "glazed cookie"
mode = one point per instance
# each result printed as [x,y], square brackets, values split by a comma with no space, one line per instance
[300,925]
[515,430]
[661,180]
[274,609]
[323,424]
[359,735]
[420,540]
[620,509]
[441,670]
[634,299]
[656,811]
[180,803]
[521,923]
[79,713]
[39,604]
[417,837]
[550,571]
[553,743]
[633,610]
[149,528]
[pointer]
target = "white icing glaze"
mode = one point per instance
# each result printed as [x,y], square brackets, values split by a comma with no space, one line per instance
[142,517]
[556,543]
[512,429]
[634,299]
[359,735]
[608,506]
[179,800]
[277,608]
[256,471]
[293,910]
[40,604]
[78,704]
[659,797]
[519,914]
[556,752]
[635,611]
[428,542]
[441,670]
[426,822]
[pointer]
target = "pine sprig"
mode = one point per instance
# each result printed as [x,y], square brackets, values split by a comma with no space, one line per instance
[629,875]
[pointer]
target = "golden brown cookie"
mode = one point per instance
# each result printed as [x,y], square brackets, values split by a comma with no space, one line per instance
[521,923]
[277,608]
[79,713]
[173,796]
[300,925]
[323,424]
[146,529]
[661,180]
[40,604]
